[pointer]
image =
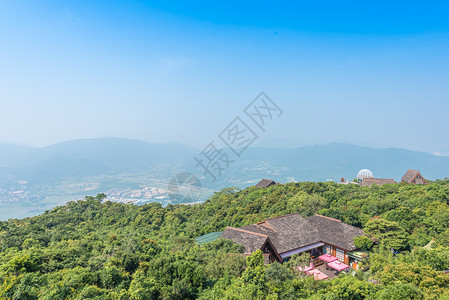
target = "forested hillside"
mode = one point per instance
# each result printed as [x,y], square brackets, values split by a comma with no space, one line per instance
[33,180]
[105,250]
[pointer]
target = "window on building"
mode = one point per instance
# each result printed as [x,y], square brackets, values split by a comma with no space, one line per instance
[340,255]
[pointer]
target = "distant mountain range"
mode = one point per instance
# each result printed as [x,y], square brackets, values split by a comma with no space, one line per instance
[90,157]
[336,160]
[33,180]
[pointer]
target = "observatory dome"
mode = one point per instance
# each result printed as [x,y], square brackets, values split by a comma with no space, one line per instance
[365,173]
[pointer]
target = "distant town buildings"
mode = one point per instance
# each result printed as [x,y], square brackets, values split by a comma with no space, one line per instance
[136,196]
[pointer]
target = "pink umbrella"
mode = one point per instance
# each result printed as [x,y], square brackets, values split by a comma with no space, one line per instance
[305,269]
[317,274]
[327,258]
[336,265]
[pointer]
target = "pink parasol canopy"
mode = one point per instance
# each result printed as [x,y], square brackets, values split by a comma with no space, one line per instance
[336,265]
[305,269]
[317,274]
[327,258]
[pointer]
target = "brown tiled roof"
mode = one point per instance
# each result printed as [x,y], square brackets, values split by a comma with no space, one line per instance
[251,240]
[378,181]
[409,176]
[265,183]
[335,232]
[290,232]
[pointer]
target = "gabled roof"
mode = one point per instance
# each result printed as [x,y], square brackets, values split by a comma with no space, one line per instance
[412,176]
[378,181]
[264,183]
[291,232]
[335,232]
[409,175]
[251,240]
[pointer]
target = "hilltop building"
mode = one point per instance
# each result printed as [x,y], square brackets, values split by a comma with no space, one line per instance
[365,173]
[378,181]
[264,183]
[281,237]
[414,177]
[366,178]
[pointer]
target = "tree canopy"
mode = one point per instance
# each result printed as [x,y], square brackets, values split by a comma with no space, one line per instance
[94,248]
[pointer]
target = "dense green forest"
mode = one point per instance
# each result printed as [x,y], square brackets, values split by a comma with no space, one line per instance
[96,249]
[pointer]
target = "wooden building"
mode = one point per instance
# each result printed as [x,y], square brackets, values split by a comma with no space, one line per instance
[378,181]
[414,177]
[264,183]
[284,236]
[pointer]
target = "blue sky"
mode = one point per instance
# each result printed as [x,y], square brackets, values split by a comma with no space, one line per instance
[370,74]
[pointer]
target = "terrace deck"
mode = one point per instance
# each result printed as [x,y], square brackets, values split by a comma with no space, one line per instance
[330,273]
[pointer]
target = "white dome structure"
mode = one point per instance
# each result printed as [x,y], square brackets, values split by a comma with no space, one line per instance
[365,173]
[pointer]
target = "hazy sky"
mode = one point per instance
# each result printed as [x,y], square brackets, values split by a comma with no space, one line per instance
[371,74]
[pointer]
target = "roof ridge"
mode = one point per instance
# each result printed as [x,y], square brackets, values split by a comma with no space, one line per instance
[268,225]
[328,218]
[247,231]
[278,217]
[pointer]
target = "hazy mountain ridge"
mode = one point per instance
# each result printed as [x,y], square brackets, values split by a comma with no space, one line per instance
[33,180]
[336,160]
[89,157]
